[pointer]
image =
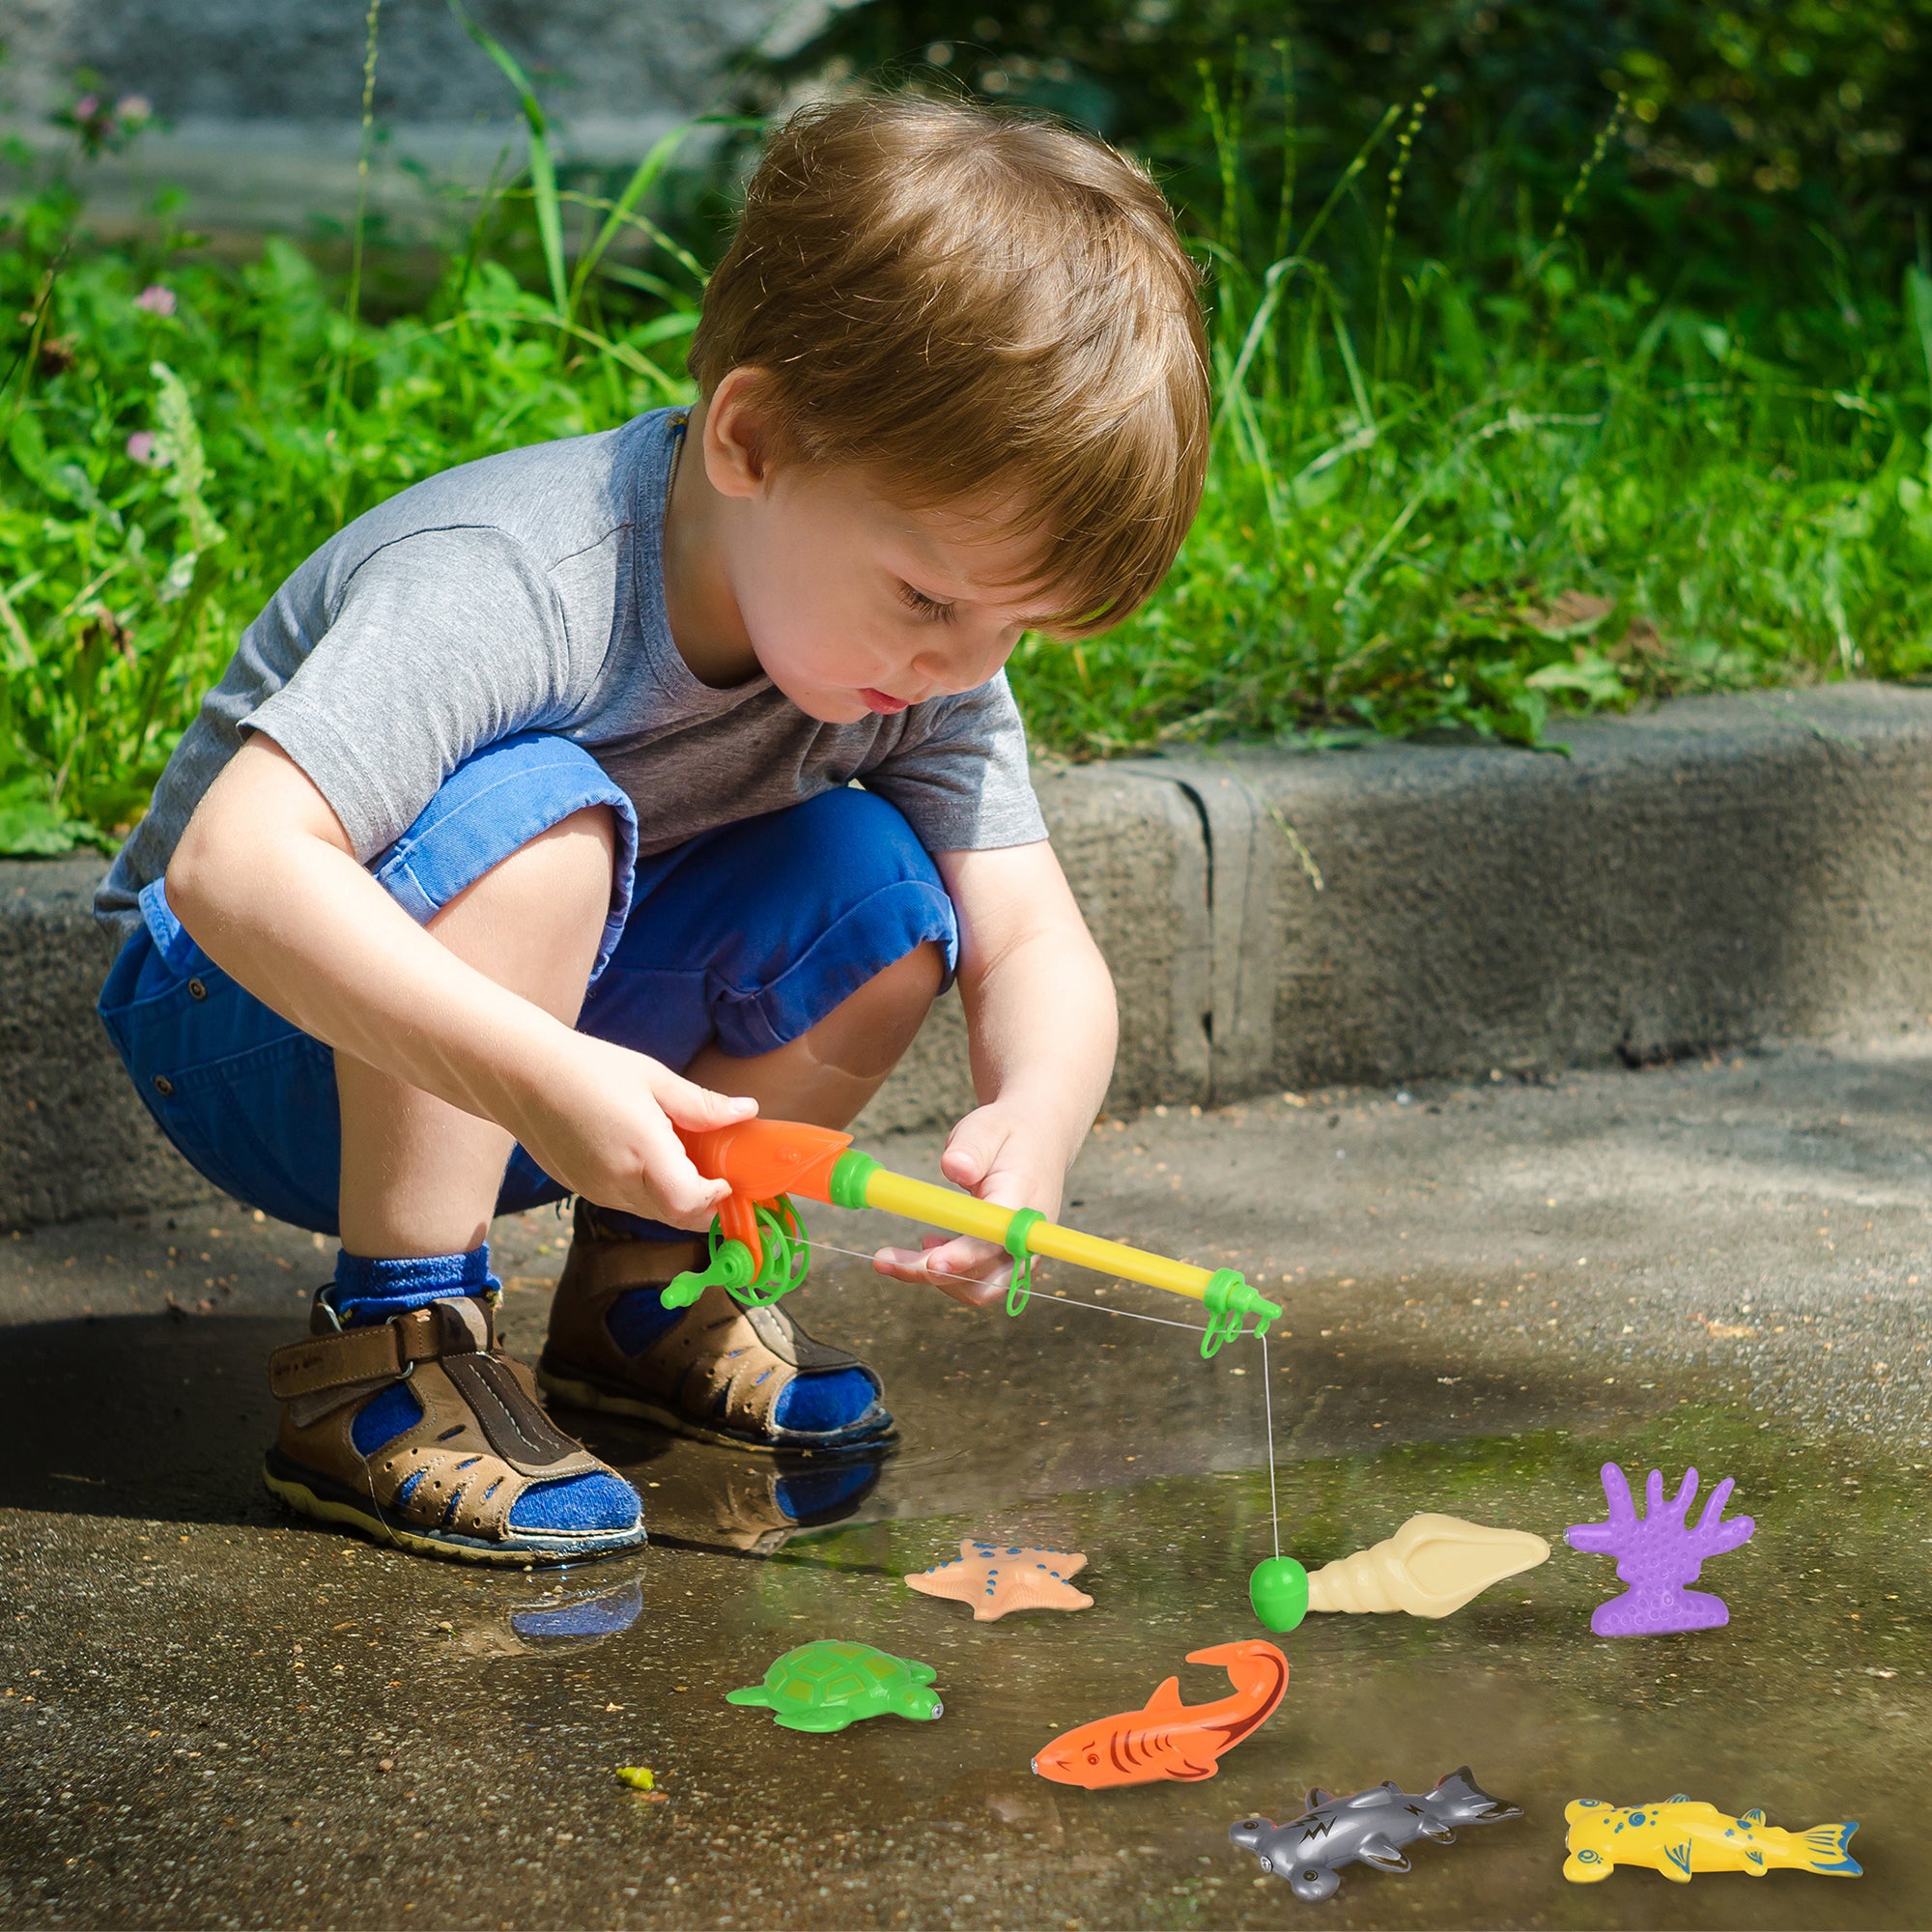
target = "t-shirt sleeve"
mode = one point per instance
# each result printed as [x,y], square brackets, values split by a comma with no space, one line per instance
[441,643]
[960,774]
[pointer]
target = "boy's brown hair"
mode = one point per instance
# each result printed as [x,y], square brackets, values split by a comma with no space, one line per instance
[980,308]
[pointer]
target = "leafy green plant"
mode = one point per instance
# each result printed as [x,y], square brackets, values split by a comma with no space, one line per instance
[1445,493]
[1440,499]
[183,434]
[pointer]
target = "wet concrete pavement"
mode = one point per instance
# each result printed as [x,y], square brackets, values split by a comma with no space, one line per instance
[212,1716]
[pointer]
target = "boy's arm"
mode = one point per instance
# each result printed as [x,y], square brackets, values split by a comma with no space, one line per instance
[266,881]
[1040,1020]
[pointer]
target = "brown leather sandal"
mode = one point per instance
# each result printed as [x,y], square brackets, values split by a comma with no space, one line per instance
[446,1483]
[715,1375]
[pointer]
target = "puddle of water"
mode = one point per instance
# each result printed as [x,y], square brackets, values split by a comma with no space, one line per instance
[1812,1704]
[1063,1433]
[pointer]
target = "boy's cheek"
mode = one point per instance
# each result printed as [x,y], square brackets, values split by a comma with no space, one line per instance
[828,704]
[822,681]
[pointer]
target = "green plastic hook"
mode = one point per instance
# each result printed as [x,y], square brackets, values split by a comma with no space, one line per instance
[1229,1300]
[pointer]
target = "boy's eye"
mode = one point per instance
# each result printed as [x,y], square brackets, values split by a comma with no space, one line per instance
[922,605]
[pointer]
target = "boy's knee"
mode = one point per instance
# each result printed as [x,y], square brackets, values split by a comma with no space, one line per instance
[568,868]
[908,986]
[562,877]
[868,1030]
[590,839]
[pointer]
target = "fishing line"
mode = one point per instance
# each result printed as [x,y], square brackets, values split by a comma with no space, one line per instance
[1134,1315]
[1267,1409]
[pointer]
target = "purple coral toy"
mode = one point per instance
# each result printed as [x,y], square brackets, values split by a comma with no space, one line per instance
[1659,1553]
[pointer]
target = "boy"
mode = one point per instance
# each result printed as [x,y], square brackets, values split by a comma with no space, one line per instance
[522,829]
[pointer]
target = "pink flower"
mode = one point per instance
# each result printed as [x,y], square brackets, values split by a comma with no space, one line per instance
[155,299]
[87,107]
[134,109]
[141,447]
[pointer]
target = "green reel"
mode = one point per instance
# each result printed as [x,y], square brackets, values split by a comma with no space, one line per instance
[788,1262]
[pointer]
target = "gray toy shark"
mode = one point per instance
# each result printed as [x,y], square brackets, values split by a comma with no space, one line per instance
[1370,1828]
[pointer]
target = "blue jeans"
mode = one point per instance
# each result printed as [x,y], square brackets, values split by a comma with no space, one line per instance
[746,936]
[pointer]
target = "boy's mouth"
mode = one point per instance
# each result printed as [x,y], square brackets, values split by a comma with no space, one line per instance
[878,701]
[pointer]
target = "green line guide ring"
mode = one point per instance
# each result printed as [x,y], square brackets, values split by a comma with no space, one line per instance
[1019,1291]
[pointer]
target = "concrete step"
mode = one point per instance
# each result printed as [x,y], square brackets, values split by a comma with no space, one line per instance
[1717,871]
[74,1138]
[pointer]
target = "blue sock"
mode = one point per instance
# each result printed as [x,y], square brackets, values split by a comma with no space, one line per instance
[368,1290]
[825,1399]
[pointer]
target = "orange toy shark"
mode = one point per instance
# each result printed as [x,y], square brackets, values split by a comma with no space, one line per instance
[1170,1739]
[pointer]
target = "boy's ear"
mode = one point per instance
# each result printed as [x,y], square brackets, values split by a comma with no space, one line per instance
[736,436]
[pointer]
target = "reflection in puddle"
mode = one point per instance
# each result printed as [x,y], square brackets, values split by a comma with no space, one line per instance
[579,1619]
[563,1618]
[697,1496]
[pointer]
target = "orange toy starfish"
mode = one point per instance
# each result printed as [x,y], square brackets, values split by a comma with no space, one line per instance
[995,1579]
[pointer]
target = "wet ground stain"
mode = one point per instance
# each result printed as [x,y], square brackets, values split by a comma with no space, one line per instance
[210,1716]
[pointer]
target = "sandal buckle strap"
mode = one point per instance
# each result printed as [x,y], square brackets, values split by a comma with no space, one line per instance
[383,1352]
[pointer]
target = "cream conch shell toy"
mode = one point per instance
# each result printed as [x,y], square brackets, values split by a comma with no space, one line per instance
[1431,1566]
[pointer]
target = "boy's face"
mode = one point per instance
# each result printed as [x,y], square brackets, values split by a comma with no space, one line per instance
[853,605]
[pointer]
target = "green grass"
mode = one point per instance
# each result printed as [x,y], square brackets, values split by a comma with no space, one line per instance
[1439,498]
[1462,499]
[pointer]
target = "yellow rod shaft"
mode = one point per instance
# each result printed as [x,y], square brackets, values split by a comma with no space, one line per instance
[943,1208]
[1068,1244]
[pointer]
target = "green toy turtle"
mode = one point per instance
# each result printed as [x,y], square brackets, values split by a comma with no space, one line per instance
[825,1686]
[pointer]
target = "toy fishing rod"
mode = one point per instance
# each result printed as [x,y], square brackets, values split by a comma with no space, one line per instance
[759,1250]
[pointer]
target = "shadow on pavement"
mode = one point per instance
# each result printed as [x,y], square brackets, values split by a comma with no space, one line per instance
[141,1415]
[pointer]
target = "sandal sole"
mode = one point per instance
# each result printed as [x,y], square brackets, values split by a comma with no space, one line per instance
[576,1392]
[324,1499]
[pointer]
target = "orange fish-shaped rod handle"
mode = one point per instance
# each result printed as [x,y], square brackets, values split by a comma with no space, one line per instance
[1167,1738]
[761,1160]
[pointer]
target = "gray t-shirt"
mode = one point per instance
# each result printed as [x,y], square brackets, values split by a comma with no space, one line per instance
[525,592]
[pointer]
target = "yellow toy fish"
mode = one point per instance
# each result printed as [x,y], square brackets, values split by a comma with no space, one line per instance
[1679,1838]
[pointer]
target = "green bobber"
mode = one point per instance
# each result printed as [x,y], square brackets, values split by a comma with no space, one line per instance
[1278,1589]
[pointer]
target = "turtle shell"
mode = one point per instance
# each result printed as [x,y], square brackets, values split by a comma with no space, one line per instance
[831,1672]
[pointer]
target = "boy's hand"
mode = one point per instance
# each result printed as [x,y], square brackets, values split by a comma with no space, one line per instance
[1039,1018]
[603,1124]
[999,1155]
